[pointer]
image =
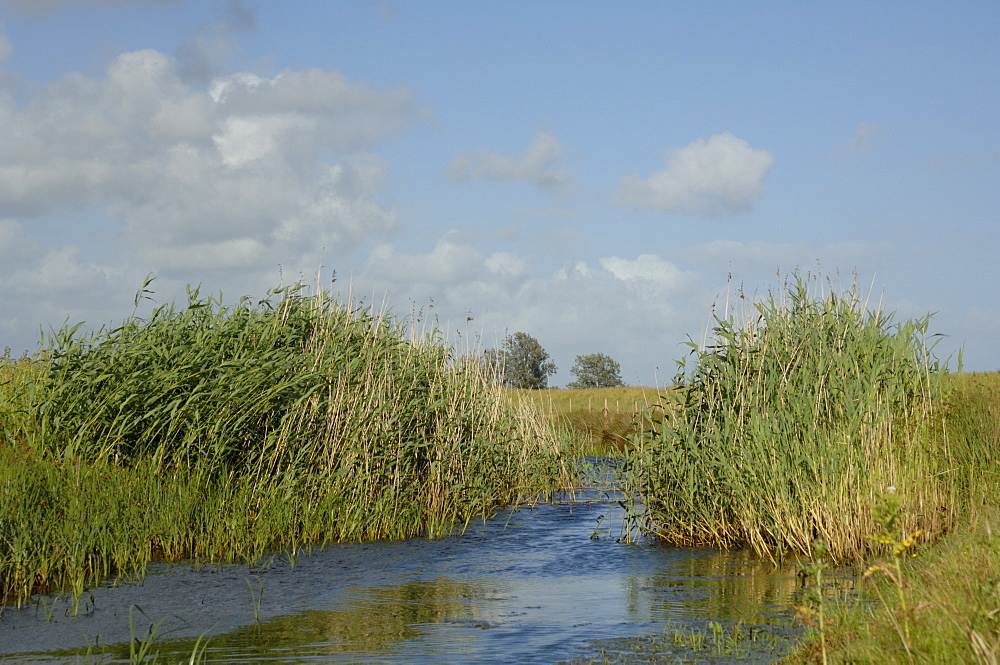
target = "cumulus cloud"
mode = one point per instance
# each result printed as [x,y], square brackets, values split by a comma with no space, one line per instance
[714,176]
[220,183]
[635,309]
[240,173]
[648,267]
[456,275]
[539,164]
[450,261]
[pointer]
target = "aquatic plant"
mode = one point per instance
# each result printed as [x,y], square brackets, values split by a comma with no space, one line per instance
[795,417]
[225,432]
[813,612]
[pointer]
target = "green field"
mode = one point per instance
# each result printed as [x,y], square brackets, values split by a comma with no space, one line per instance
[598,421]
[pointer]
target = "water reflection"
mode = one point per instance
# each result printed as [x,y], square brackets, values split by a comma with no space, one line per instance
[375,620]
[531,585]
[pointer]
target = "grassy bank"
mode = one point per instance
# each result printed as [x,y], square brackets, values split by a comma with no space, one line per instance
[812,425]
[940,603]
[221,433]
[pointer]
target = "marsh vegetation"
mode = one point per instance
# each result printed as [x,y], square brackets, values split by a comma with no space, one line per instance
[814,426]
[220,432]
[792,421]
[932,598]
[809,426]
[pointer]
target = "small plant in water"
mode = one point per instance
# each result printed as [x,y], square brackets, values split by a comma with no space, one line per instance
[813,612]
[50,607]
[140,650]
[692,639]
[888,515]
[256,599]
[715,638]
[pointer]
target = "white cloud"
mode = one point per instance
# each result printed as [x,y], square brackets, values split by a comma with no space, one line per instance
[53,285]
[714,176]
[648,267]
[346,115]
[16,249]
[762,258]
[507,264]
[223,183]
[236,175]
[634,309]
[450,261]
[244,140]
[538,165]
[5,48]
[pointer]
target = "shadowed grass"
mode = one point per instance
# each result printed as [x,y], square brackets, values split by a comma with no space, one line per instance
[221,432]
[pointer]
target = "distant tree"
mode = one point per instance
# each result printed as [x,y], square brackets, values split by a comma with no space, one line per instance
[596,370]
[523,363]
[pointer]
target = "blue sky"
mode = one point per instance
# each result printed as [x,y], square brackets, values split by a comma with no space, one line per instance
[596,175]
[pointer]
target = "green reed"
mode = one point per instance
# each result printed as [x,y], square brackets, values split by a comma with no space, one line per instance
[938,604]
[792,421]
[223,433]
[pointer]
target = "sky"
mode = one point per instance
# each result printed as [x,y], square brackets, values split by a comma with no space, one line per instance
[603,176]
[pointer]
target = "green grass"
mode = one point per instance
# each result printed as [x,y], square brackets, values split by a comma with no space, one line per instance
[596,421]
[942,603]
[222,433]
[629,399]
[812,423]
[793,420]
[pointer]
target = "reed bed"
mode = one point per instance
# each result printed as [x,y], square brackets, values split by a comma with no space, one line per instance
[223,433]
[793,422]
[941,604]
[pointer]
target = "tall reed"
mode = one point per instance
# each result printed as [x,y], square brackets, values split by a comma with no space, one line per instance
[225,432]
[793,420]
[937,604]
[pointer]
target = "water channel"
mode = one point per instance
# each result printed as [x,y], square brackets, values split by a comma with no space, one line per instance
[544,583]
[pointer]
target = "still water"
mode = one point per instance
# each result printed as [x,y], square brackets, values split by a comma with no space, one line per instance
[538,584]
